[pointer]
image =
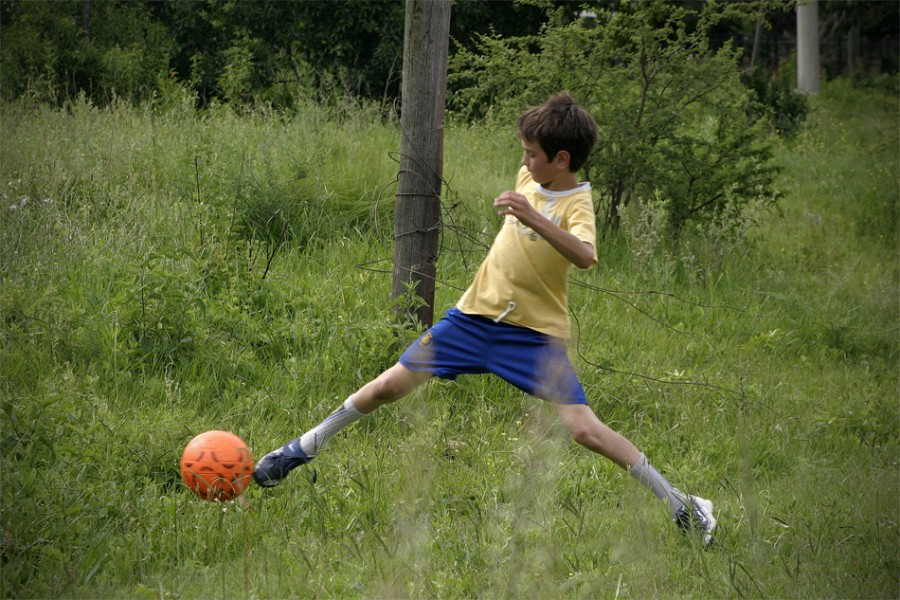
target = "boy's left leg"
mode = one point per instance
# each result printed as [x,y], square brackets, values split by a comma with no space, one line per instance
[689,512]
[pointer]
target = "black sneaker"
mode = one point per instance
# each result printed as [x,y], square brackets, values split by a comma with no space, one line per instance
[696,514]
[275,466]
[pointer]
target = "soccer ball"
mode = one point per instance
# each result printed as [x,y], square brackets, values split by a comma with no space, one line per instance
[217,466]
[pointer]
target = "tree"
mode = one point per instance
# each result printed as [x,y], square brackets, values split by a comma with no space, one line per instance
[57,50]
[674,119]
[418,212]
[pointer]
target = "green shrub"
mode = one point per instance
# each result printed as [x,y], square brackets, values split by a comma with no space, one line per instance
[776,101]
[674,118]
[754,365]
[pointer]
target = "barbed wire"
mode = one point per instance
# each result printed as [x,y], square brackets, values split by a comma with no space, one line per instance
[463,237]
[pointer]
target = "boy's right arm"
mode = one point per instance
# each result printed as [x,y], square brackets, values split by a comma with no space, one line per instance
[576,251]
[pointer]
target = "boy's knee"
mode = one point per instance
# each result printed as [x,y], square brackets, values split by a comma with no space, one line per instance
[388,389]
[581,433]
[395,383]
[584,426]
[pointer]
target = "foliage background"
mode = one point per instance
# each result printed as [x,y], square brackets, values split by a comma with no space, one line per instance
[141,306]
[195,232]
[287,52]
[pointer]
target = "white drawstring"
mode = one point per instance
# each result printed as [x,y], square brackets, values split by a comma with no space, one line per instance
[509,308]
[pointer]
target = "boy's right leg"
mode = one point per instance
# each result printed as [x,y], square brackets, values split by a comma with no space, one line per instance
[393,384]
[390,386]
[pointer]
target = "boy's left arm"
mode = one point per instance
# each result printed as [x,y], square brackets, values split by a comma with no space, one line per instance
[578,252]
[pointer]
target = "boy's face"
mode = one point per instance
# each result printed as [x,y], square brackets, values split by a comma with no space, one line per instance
[543,170]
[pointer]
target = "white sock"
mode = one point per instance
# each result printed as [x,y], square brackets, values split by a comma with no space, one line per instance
[644,472]
[315,439]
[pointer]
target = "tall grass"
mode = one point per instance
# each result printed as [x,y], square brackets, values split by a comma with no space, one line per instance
[165,273]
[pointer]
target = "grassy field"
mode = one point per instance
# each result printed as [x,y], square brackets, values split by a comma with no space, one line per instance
[164,274]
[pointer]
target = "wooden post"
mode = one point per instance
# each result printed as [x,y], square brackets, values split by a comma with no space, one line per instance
[808,46]
[754,54]
[417,218]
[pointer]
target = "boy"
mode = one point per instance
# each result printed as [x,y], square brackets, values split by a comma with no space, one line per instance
[513,320]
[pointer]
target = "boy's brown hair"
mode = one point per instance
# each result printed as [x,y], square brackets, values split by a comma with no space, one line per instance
[560,124]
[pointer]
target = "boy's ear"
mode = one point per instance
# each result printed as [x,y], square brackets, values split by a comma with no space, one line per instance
[562,159]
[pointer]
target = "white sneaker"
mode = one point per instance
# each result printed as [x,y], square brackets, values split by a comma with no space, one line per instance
[696,514]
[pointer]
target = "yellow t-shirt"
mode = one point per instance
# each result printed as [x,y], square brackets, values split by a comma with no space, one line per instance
[522,268]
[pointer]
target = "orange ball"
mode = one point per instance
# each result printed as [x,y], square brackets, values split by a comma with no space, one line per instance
[217,466]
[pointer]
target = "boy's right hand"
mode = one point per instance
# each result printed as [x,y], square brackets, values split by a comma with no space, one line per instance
[517,205]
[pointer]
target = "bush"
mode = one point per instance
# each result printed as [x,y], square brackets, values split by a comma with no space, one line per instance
[673,115]
[775,101]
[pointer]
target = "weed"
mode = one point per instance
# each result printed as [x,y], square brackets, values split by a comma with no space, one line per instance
[193,272]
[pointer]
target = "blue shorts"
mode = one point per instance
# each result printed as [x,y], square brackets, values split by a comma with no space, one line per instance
[461,344]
